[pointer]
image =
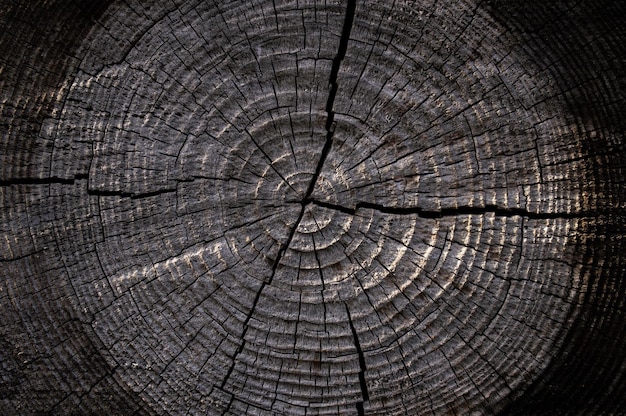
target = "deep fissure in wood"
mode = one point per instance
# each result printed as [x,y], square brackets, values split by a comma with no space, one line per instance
[343,45]
[453,212]
[362,367]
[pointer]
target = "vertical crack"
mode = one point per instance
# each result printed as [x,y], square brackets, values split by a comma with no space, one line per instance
[334,86]
[364,393]
[341,53]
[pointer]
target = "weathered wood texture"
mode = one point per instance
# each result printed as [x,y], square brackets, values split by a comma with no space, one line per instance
[312,207]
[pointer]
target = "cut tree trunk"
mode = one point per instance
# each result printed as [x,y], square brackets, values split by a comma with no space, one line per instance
[312,207]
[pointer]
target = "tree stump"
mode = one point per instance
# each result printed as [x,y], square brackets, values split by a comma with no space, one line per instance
[305,207]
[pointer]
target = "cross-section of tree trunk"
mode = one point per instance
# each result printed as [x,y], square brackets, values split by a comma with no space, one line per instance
[312,207]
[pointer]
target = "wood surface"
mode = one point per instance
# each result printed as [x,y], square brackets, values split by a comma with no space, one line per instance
[312,207]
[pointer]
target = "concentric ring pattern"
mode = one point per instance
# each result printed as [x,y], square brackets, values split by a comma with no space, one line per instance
[316,207]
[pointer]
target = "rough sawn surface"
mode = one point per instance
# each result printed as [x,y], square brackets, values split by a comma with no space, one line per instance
[301,207]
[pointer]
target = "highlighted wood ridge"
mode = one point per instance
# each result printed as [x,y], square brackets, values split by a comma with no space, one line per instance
[312,208]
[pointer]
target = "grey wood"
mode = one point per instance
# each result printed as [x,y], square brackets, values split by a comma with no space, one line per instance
[306,207]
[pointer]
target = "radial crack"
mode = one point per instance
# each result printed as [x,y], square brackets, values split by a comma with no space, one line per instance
[364,393]
[330,130]
[462,210]
[131,195]
[42,181]
[343,45]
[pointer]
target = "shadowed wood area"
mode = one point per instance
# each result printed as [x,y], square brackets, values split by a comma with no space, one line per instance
[312,207]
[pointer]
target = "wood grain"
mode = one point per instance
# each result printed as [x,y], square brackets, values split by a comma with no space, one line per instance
[303,207]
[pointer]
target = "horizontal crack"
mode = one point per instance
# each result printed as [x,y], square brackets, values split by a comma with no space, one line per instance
[130,195]
[71,181]
[41,181]
[452,212]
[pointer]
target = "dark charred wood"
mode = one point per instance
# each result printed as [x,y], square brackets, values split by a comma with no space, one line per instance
[312,207]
